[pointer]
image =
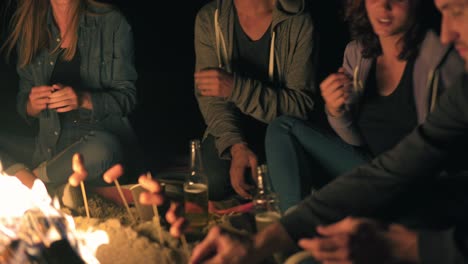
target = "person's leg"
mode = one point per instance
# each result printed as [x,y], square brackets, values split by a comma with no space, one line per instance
[100,151]
[217,171]
[16,157]
[16,149]
[300,156]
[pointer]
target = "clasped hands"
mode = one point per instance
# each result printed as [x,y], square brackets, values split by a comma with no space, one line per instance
[59,97]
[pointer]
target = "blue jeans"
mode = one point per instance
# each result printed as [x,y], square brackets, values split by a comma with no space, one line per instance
[301,156]
[100,151]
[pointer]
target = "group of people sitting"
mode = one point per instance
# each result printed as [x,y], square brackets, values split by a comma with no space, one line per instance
[384,183]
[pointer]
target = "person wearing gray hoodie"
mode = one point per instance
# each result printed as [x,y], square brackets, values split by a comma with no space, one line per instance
[255,61]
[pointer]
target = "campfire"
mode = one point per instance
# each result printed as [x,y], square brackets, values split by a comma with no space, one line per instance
[34,229]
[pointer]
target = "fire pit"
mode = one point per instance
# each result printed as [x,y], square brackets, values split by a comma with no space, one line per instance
[33,229]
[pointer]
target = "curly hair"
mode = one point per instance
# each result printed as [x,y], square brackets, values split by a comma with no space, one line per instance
[423,16]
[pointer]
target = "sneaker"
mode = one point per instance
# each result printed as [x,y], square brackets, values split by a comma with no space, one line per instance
[69,196]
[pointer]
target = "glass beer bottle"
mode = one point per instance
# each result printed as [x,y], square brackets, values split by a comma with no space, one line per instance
[196,191]
[266,202]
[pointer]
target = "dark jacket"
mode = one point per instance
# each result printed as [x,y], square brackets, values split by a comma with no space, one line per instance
[364,190]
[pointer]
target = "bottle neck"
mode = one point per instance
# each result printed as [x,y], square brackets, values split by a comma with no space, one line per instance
[196,163]
[263,186]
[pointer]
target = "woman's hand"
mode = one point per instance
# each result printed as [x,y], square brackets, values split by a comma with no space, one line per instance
[335,91]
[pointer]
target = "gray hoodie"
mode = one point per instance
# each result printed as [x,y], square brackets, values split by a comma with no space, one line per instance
[435,68]
[292,53]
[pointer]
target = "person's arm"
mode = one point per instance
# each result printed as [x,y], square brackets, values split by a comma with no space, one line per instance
[344,124]
[154,195]
[119,98]
[363,240]
[225,244]
[442,247]
[369,187]
[293,96]
[273,238]
[26,84]
[221,116]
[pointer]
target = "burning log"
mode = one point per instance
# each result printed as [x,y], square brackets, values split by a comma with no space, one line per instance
[40,239]
[60,252]
[32,230]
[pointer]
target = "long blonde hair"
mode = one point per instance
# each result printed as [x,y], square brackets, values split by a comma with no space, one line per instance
[30,33]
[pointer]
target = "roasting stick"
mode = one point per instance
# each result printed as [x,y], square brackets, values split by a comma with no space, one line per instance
[111,175]
[156,218]
[85,199]
[157,221]
[116,182]
[185,246]
[78,177]
[174,231]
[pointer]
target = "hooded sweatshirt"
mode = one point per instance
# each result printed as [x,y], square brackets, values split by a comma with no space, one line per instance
[292,54]
[436,67]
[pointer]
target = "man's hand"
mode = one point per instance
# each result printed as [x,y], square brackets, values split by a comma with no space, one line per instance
[242,158]
[403,243]
[214,82]
[154,196]
[224,247]
[38,99]
[358,240]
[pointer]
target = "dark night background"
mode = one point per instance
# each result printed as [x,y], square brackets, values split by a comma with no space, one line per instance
[167,116]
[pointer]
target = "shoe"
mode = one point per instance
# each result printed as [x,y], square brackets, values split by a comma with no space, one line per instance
[69,196]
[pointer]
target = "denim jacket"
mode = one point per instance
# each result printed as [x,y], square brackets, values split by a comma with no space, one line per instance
[105,44]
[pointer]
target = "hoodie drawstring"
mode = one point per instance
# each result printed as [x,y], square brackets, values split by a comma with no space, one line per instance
[220,41]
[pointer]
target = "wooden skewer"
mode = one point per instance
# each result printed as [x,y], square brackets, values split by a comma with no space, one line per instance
[116,182]
[185,246]
[79,175]
[156,218]
[157,221]
[85,199]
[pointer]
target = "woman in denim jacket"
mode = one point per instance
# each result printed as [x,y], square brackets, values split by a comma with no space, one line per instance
[77,80]
[393,72]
